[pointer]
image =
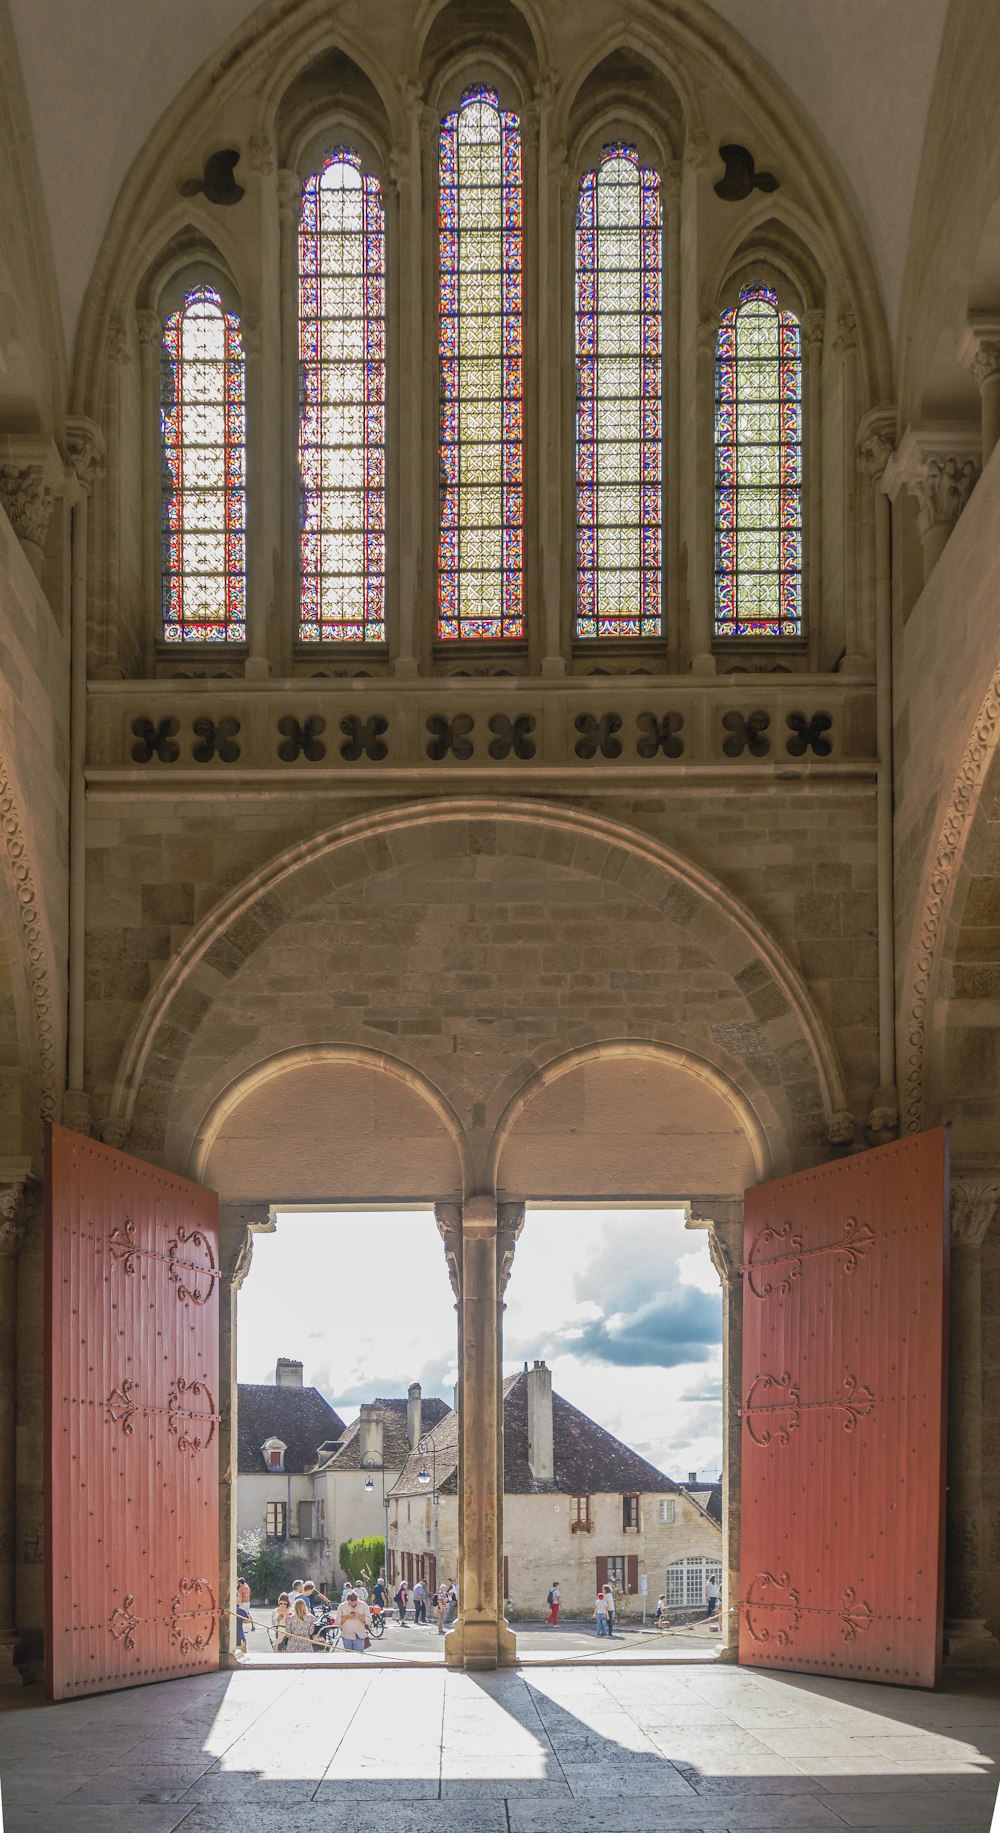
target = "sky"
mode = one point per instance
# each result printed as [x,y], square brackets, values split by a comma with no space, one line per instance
[623,1304]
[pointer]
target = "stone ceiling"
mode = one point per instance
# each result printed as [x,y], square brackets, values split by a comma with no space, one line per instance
[99,76]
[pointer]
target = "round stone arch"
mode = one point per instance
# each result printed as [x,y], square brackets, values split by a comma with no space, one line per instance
[776,1050]
[630,1120]
[398,1137]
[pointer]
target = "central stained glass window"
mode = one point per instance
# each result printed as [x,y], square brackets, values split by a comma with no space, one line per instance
[619,266]
[481,541]
[203,430]
[342,404]
[758,469]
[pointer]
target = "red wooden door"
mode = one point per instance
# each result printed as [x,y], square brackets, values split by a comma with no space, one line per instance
[844,1363]
[132,1491]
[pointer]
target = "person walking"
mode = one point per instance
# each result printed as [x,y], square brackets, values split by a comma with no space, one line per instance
[661,1611]
[380,1594]
[243,1617]
[601,1613]
[420,1602]
[441,1605]
[401,1599]
[279,1623]
[713,1598]
[300,1628]
[612,1610]
[354,1621]
[553,1602]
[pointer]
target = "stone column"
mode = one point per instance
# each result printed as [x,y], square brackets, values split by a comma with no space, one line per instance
[12,1232]
[968,1643]
[876,435]
[939,466]
[238,1223]
[845,343]
[85,445]
[725,1243]
[476,1241]
[289,210]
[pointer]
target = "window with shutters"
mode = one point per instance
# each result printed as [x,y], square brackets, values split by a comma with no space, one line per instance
[579,1515]
[276,1521]
[614,1567]
[668,1510]
[630,1514]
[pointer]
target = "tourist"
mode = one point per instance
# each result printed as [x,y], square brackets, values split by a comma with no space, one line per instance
[609,1594]
[316,1599]
[401,1598]
[279,1623]
[441,1605]
[362,1590]
[601,1613]
[553,1602]
[419,1602]
[243,1617]
[713,1598]
[300,1627]
[380,1594]
[661,1611]
[354,1621]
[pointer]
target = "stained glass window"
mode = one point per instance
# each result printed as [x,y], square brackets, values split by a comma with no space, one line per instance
[203,423]
[342,404]
[758,469]
[481,542]
[619,262]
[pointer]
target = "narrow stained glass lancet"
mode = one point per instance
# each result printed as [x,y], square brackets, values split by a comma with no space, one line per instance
[342,404]
[619,278]
[758,469]
[481,540]
[203,429]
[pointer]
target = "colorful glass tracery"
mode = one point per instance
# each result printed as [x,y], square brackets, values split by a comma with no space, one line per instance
[342,404]
[481,538]
[758,469]
[203,429]
[619,278]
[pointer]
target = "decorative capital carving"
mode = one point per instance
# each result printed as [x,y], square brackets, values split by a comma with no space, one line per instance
[974,1202]
[85,446]
[546,86]
[12,1219]
[448,1217]
[117,345]
[260,155]
[876,441]
[698,154]
[411,90]
[27,501]
[250,333]
[986,363]
[841,1128]
[150,328]
[979,347]
[813,327]
[289,193]
[236,1254]
[429,123]
[510,1222]
[845,336]
[115,1134]
[725,1246]
[940,467]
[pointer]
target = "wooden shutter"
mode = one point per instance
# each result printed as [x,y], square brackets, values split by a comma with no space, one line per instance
[632,1574]
[602,1573]
[432,1572]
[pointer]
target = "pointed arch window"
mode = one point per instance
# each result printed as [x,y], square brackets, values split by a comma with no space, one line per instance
[480,342]
[619,430]
[758,469]
[342,404]
[203,429]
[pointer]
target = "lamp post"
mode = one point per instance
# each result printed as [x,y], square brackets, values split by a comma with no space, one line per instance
[368,1464]
[428,1479]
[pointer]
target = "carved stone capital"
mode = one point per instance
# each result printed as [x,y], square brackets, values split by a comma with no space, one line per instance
[150,328]
[979,347]
[725,1246]
[115,1134]
[448,1217]
[986,363]
[813,328]
[429,123]
[974,1202]
[27,502]
[939,466]
[845,336]
[260,155]
[698,151]
[117,345]
[876,441]
[411,91]
[12,1219]
[85,445]
[510,1222]
[841,1128]
[289,193]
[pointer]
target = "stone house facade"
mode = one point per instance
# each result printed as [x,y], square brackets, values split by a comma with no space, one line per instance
[284,1429]
[579,1506]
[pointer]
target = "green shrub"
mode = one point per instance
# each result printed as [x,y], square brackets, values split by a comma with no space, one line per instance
[263,1563]
[362,1559]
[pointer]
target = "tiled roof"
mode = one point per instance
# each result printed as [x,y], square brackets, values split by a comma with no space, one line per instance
[708,1496]
[587,1460]
[395,1446]
[299,1416]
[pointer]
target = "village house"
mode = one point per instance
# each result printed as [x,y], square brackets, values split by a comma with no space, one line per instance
[579,1506]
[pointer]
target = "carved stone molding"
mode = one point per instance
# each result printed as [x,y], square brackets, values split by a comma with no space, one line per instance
[841,1128]
[260,155]
[939,466]
[876,440]
[974,1203]
[448,1217]
[35,947]
[12,1220]
[510,1222]
[27,501]
[85,444]
[986,363]
[939,881]
[117,345]
[979,346]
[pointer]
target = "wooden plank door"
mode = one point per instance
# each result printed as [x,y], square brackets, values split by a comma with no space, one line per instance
[844,1370]
[132,1377]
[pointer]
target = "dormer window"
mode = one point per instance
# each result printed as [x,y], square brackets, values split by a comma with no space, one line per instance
[273,1453]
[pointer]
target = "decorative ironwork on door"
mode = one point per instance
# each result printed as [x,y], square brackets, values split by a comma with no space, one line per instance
[844,1363]
[132,1492]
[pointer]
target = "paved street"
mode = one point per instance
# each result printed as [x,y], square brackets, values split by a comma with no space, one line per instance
[591,1750]
[420,1645]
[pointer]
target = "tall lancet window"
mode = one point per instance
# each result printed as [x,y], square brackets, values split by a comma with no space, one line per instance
[619,443]
[342,404]
[203,425]
[758,469]
[481,540]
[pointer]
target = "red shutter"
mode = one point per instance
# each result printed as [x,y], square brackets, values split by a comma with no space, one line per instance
[632,1574]
[506,1578]
[602,1573]
[432,1573]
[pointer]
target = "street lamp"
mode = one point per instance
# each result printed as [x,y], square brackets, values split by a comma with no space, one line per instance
[369,1463]
[425,1476]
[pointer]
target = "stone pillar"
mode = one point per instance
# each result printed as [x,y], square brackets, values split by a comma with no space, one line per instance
[876,436]
[968,1643]
[85,446]
[725,1242]
[289,210]
[939,466]
[12,1230]
[238,1223]
[813,335]
[478,1240]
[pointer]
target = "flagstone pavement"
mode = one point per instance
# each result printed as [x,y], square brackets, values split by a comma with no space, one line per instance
[563,1750]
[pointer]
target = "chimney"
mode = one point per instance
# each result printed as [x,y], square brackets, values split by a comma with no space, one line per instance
[693,1477]
[413,1410]
[370,1433]
[288,1373]
[540,1456]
